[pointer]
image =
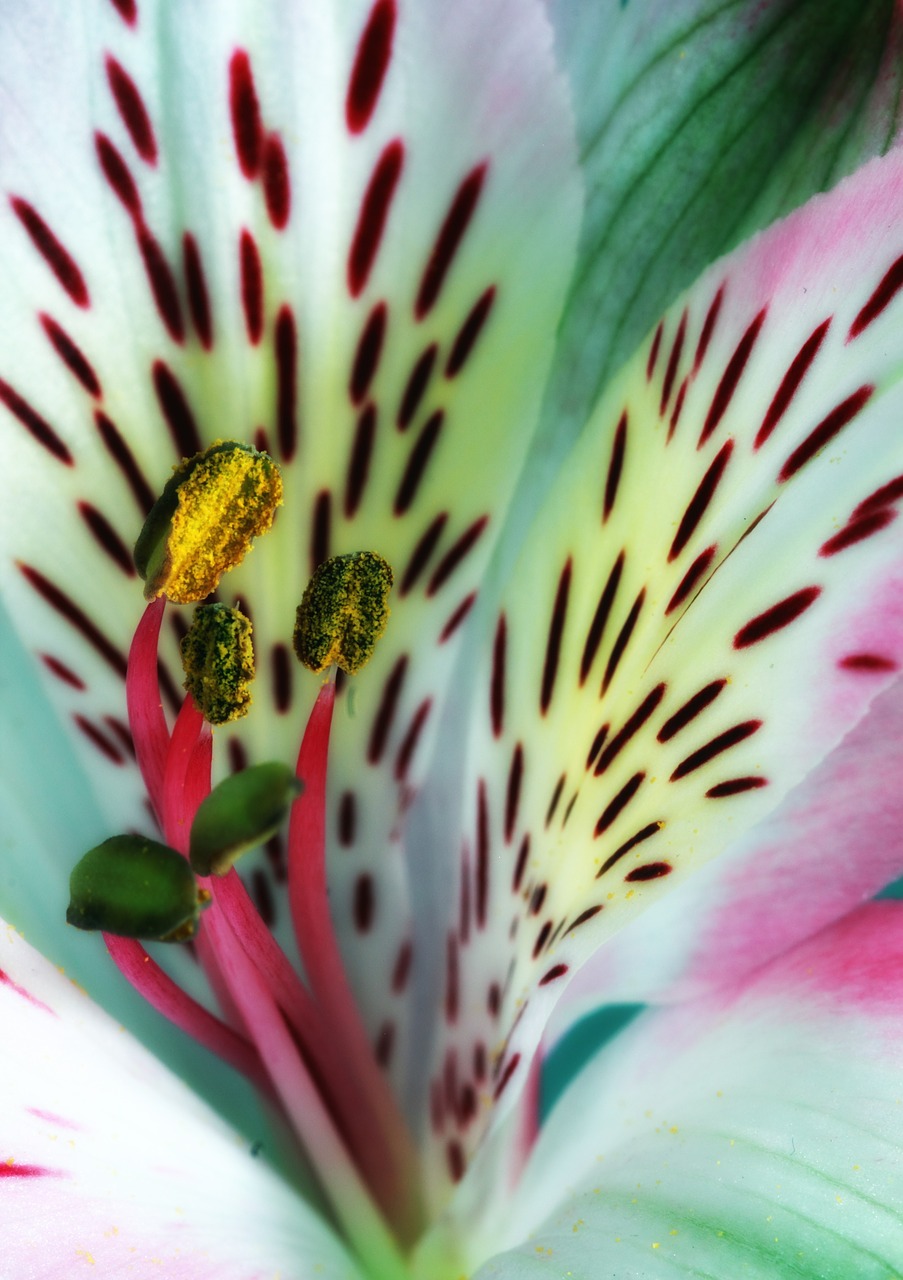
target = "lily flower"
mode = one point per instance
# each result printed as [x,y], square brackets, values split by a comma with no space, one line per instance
[371,274]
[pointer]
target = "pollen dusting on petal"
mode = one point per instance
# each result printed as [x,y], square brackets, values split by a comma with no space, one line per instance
[204,521]
[218,660]
[344,612]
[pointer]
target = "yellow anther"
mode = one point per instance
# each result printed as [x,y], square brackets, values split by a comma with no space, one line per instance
[203,523]
[218,661]
[344,612]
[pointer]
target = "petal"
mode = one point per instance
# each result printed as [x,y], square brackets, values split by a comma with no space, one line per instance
[755,1133]
[698,125]
[830,845]
[711,597]
[386,331]
[109,1161]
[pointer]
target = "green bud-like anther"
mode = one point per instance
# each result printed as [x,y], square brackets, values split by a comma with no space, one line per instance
[240,813]
[218,661]
[135,888]
[203,523]
[344,612]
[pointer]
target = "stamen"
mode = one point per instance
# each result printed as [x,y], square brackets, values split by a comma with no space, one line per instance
[344,612]
[145,708]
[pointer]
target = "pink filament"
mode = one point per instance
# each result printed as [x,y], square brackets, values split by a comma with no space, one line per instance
[142,691]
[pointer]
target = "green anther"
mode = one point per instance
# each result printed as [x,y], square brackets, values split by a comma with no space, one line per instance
[202,524]
[218,661]
[243,811]
[135,888]
[343,612]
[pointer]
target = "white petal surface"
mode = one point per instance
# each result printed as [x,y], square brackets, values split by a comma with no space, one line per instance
[109,1162]
[710,599]
[755,1134]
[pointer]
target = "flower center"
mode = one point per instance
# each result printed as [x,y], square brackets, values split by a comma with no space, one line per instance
[301,1040]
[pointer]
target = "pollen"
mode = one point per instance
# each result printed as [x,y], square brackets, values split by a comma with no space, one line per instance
[343,612]
[218,661]
[204,522]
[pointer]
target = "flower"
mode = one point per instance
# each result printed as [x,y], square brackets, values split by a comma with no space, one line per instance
[348,234]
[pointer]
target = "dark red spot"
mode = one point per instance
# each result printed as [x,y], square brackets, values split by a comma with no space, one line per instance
[366,357]
[385,1043]
[385,715]
[734,786]
[286,352]
[541,939]
[277,187]
[493,999]
[127,10]
[615,467]
[556,796]
[552,975]
[645,833]
[779,615]
[39,428]
[359,459]
[464,913]
[457,617]
[282,678]
[482,855]
[423,549]
[72,356]
[651,871]
[731,378]
[722,742]
[691,578]
[117,174]
[455,554]
[882,497]
[121,454]
[600,617]
[582,918]
[630,728]
[402,970]
[449,239]
[511,1067]
[867,662]
[467,1105]
[370,63]
[374,211]
[790,383]
[162,284]
[826,430]
[520,864]
[58,259]
[62,672]
[454,1154]
[699,503]
[107,538]
[690,710]
[416,465]
[512,791]
[708,328]
[497,679]
[196,287]
[620,644]
[469,332]
[479,1062]
[410,740]
[364,903]
[676,411]
[537,898]
[618,804]
[416,386]
[888,287]
[673,362]
[176,410]
[251,286]
[654,349]
[109,750]
[553,640]
[452,979]
[347,819]
[247,128]
[597,744]
[321,523]
[122,733]
[857,531]
[132,110]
